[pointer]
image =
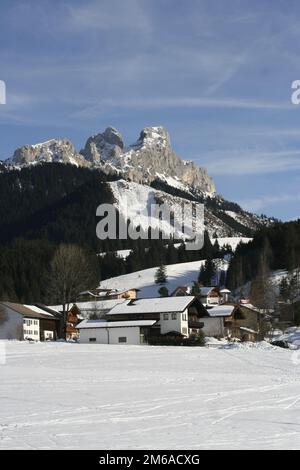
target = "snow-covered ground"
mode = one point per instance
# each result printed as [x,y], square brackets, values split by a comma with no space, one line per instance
[72,396]
[179,274]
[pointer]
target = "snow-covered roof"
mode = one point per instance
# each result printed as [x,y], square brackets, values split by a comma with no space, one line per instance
[204,291]
[155,305]
[93,305]
[113,324]
[220,310]
[31,311]
[225,291]
[40,310]
[256,309]
[249,330]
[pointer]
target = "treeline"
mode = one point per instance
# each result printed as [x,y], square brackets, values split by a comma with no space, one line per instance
[24,264]
[279,247]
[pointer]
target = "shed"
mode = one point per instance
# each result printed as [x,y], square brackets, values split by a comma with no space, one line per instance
[118,332]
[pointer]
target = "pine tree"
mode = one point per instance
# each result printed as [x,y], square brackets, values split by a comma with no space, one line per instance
[196,290]
[207,273]
[161,275]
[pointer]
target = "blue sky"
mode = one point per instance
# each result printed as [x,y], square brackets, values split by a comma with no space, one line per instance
[216,74]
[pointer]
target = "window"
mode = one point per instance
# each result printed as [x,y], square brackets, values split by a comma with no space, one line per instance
[184,331]
[92,340]
[174,316]
[166,316]
[122,339]
[36,332]
[184,316]
[36,322]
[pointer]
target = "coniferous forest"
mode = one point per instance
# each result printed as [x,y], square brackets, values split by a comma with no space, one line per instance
[279,247]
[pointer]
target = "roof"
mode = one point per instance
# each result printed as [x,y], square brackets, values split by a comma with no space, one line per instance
[91,324]
[31,311]
[153,305]
[204,291]
[248,330]
[93,305]
[220,311]
[225,291]
[256,309]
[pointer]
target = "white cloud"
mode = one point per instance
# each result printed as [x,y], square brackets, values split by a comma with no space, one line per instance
[257,204]
[179,102]
[108,15]
[253,162]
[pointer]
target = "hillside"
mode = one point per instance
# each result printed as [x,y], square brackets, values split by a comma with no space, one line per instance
[276,247]
[180,274]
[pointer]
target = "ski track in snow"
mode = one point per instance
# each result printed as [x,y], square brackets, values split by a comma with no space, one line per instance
[72,396]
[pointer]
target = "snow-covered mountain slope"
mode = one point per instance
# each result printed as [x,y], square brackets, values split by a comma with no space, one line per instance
[180,274]
[134,201]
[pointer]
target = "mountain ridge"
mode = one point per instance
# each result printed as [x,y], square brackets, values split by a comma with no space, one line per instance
[149,158]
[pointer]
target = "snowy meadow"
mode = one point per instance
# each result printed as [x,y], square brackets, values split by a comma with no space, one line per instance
[72,396]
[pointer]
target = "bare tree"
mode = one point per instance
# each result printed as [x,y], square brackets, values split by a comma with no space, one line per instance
[263,295]
[95,312]
[71,272]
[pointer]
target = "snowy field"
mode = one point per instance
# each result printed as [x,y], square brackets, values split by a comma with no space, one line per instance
[72,396]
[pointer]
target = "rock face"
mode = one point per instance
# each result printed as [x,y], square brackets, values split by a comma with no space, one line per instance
[61,151]
[151,157]
[103,147]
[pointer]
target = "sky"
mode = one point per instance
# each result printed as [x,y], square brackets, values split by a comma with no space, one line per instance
[216,74]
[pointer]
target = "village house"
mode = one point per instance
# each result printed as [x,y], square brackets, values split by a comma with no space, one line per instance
[214,323]
[107,294]
[210,296]
[74,317]
[28,322]
[171,314]
[247,323]
[168,316]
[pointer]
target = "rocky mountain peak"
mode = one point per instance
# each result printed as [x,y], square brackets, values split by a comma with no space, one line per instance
[54,150]
[150,158]
[150,136]
[103,146]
